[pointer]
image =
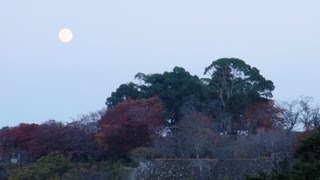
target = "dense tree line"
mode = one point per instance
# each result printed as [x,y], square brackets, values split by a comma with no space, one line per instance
[229,113]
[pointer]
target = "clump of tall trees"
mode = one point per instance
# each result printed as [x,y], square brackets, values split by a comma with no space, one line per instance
[230,87]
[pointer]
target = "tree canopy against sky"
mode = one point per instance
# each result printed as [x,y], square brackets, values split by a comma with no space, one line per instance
[232,83]
[173,88]
[231,78]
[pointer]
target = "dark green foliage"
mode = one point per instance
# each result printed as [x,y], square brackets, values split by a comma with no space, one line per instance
[310,148]
[52,166]
[114,169]
[237,84]
[173,88]
[125,91]
[308,166]
[246,79]
[234,85]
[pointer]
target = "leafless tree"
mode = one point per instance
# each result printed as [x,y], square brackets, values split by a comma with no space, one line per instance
[303,111]
[306,112]
[263,145]
[290,115]
[310,113]
[88,122]
[195,135]
[315,118]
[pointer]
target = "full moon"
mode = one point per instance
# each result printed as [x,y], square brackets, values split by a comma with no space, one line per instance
[65,35]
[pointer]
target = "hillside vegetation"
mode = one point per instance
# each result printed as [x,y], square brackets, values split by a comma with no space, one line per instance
[227,114]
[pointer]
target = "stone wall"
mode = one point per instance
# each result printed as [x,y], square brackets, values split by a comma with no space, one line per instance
[194,169]
[181,169]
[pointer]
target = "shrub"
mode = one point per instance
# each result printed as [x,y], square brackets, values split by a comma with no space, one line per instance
[52,166]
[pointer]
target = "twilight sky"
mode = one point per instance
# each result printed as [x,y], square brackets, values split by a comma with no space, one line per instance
[42,78]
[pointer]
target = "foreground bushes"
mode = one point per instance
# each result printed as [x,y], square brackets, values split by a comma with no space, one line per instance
[55,167]
[52,166]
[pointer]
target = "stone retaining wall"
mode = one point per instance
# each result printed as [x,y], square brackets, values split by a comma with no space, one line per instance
[194,169]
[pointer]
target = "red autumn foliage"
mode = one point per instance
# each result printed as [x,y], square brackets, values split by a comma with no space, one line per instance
[17,138]
[23,134]
[39,140]
[57,137]
[130,124]
[261,116]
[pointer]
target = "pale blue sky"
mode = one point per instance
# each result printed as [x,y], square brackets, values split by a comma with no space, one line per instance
[42,78]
